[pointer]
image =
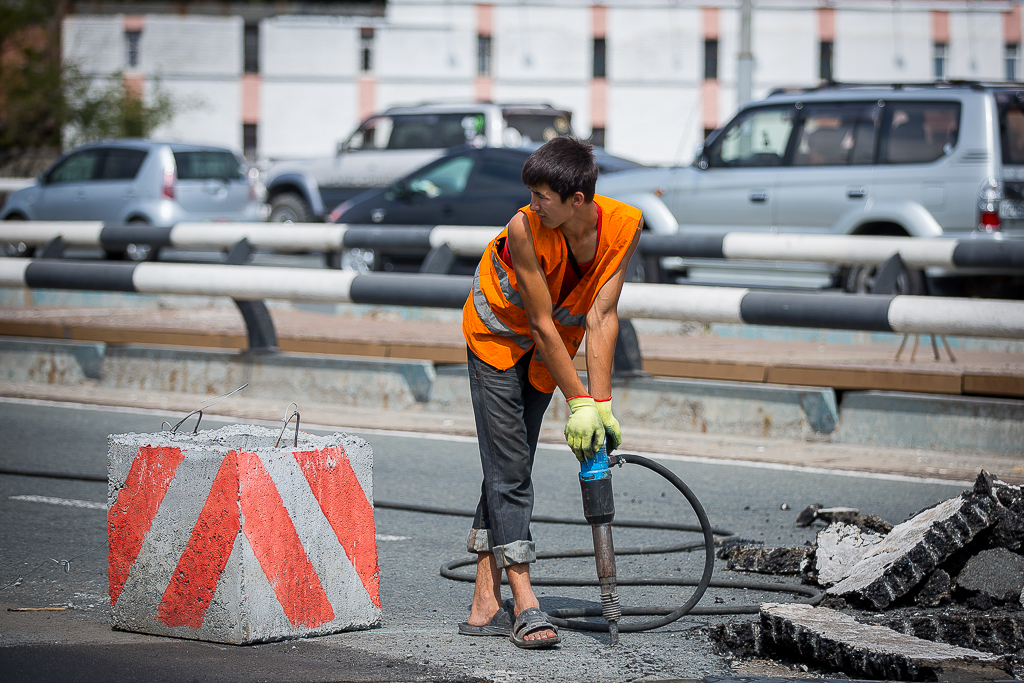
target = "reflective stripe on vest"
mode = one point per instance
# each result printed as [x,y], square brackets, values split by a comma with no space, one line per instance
[495,323]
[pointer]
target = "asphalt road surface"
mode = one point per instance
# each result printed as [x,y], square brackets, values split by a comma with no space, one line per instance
[53,554]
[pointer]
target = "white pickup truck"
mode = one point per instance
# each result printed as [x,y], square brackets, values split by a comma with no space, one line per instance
[389,145]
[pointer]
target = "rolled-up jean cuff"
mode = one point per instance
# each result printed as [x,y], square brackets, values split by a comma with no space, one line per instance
[516,552]
[479,541]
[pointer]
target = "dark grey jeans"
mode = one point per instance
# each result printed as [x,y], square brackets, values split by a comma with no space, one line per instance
[508,412]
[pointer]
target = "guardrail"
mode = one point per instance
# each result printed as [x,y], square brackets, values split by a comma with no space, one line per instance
[249,285]
[470,241]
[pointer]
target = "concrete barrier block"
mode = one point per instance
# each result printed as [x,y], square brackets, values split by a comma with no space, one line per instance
[962,424]
[50,362]
[221,536]
[840,642]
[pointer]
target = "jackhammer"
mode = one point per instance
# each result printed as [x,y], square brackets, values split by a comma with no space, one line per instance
[599,511]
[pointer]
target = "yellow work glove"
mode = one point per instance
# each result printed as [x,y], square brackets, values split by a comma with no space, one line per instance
[611,425]
[584,432]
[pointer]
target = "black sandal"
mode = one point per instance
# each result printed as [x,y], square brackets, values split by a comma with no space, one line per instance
[530,621]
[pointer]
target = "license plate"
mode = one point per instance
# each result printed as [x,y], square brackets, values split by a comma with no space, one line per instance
[1011,209]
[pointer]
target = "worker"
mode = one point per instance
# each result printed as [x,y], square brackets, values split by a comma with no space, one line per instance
[552,275]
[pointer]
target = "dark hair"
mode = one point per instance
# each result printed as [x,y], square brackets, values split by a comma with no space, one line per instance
[564,164]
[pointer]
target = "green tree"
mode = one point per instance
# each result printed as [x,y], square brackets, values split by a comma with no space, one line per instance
[113,109]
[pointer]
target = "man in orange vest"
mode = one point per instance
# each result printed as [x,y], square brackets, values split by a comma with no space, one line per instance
[551,276]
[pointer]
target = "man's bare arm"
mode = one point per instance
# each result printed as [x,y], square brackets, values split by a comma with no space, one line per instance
[533,288]
[603,329]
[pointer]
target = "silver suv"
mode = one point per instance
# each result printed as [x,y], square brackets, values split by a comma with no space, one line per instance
[919,160]
[389,145]
[143,182]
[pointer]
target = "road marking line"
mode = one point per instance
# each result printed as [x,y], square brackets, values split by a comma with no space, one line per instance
[67,502]
[387,538]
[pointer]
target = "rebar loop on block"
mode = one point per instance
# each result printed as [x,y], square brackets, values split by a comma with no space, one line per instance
[287,419]
[174,429]
[214,400]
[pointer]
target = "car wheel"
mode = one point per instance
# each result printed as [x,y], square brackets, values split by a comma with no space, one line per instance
[134,252]
[18,249]
[357,260]
[861,280]
[289,207]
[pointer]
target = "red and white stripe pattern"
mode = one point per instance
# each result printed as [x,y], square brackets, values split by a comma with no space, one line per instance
[246,546]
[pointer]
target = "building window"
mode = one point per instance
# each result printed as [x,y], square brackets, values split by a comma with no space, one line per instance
[131,41]
[251,49]
[600,60]
[1012,52]
[711,59]
[249,141]
[366,50]
[483,55]
[939,60]
[825,61]
[597,136]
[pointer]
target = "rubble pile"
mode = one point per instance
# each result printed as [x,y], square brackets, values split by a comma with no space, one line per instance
[938,597]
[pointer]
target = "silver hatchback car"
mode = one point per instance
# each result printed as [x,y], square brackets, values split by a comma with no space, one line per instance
[129,181]
[920,160]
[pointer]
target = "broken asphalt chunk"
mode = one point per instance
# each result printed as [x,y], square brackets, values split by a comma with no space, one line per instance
[913,549]
[838,641]
[997,574]
[840,548]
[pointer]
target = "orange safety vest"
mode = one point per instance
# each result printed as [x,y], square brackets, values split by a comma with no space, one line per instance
[494,319]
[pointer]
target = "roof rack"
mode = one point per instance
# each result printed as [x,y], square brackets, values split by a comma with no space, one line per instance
[953,83]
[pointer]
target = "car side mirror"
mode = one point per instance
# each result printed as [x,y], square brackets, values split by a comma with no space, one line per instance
[398,190]
[341,147]
[42,178]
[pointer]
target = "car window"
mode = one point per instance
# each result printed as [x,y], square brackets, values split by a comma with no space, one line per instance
[833,135]
[76,168]
[121,164]
[413,132]
[755,138]
[447,178]
[538,127]
[375,133]
[919,132]
[208,165]
[1011,130]
[500,174]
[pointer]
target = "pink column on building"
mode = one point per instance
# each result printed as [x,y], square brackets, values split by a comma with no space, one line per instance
[940,26]
[134,80]
[1011,26]
[484,85]
[251,98]
[709,86]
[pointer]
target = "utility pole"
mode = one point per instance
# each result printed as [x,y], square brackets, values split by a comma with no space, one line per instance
[745,62]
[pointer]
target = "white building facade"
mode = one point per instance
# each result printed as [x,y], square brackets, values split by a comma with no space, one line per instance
[648,78]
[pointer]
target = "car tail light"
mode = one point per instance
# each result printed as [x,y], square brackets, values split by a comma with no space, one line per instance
[989,197]
[339,211]
[168,186]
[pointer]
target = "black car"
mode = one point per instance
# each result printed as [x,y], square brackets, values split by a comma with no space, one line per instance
[466,186]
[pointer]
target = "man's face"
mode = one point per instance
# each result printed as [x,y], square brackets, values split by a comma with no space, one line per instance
[548,205]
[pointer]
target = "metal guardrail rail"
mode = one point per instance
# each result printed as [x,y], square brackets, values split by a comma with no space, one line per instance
[250,285]
[434,242]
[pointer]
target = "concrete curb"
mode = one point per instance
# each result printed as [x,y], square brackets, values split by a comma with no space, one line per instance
[886,419]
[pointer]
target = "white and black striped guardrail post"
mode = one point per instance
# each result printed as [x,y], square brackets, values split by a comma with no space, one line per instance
[867,312]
